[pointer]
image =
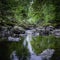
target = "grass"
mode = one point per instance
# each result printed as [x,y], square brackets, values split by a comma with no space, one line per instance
[41,43]
[6,48]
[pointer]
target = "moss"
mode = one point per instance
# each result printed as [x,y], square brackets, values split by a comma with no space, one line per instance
[41,43]
[56,55]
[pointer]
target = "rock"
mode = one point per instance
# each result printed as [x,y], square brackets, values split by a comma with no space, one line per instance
[56,32]
[49,28]
[4,31]
[13,39]
[13,56]
[15,35]
[41,31]
[18,30]
[47,54]
[22,35]
[11,32]
[3,28]
[36,34]
[35,57]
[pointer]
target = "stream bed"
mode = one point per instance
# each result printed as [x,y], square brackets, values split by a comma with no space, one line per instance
[30,47]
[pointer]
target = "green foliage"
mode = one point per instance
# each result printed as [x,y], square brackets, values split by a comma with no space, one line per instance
[48,12]
[40,43]
[10,9]
[21,51]
[44,12]
[6,48]
[30,12]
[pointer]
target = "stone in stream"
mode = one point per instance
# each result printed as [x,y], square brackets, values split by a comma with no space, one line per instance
[47,54]
[13,56]
[13,39]
[18,30]
[45,30]
[56,32]
[49,28]
[4,32]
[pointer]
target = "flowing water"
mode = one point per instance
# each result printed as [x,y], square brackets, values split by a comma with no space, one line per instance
[28,39]
[42,56]
[45,55]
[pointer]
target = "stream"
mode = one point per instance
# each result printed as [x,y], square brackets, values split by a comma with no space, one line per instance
[45,55]
[28,40]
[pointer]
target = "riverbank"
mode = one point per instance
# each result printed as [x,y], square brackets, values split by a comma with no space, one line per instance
[42,38]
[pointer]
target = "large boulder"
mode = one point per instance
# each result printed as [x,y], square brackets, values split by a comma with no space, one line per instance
[18,30]
[47,54]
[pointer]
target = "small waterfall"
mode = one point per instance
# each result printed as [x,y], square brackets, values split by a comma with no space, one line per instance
[45,55]
[28,39]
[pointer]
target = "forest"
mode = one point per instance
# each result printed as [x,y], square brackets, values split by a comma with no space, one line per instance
[30,12]
[29,29]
